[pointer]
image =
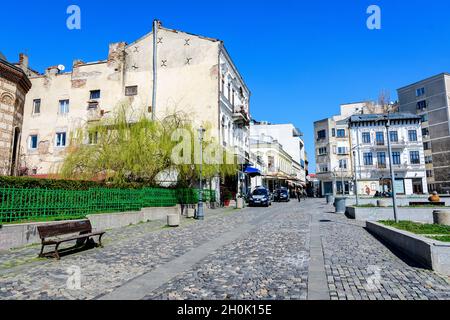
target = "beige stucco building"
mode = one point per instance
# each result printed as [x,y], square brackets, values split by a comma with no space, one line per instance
[194,75]
[14,85]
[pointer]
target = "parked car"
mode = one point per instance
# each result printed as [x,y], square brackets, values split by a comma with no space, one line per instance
[260,197]
[282,194]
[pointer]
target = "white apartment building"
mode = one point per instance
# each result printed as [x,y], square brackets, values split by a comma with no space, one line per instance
[282,150]
[278,169]
[194,75]
[369,139]
[291,141]
[332,144]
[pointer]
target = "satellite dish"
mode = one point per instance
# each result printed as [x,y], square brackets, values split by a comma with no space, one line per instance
[61,67]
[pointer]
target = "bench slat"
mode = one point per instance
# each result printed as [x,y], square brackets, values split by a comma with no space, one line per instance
[59,229]
[81,236]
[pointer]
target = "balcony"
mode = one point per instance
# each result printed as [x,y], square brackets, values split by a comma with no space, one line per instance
[241,116]
[94,114]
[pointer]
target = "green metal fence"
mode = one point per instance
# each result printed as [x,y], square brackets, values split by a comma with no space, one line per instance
[47,204]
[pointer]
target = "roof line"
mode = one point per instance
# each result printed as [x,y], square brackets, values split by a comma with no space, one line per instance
[426,79]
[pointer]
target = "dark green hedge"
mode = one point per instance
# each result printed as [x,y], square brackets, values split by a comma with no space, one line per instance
[28,182]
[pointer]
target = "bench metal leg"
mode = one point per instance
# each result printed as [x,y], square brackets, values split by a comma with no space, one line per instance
[56,253]
[100,241]
[41,254]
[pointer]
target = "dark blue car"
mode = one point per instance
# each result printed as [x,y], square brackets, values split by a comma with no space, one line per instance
[260,197]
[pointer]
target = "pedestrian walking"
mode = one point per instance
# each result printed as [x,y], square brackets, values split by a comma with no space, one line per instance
[299,195]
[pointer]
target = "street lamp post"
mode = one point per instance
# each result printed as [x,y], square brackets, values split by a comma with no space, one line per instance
[356,179]
[200,214]
[391,168]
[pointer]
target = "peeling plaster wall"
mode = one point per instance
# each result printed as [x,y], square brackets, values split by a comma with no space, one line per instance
[188,81]
[75,87]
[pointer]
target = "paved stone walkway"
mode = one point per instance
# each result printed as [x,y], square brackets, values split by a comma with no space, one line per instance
[360,267]
[255,253]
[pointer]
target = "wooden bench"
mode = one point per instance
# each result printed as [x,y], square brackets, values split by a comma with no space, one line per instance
[427,204]
[52,235]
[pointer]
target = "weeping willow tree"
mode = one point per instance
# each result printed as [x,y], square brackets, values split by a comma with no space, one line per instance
[124,148]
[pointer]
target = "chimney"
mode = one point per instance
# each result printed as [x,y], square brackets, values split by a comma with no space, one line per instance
[23,60]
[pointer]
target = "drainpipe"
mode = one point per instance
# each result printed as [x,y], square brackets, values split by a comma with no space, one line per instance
[155,62]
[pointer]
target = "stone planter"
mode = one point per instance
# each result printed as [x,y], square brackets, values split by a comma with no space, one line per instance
[441,217]
[383,203]
[173,220]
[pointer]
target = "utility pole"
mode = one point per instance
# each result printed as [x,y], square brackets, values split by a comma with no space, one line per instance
[200,214]
[155,65]
[391,168]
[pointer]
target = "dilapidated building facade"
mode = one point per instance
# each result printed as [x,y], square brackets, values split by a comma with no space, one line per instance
[14,85]
[193,74]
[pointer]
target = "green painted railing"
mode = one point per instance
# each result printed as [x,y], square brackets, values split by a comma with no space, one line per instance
[48,204]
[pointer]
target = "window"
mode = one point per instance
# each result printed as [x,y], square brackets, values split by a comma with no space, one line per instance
[414,157]
[322,151]
[63,106]
[424,117]
[412,135]
[93,137]
[341,133]
[36,106]
[393,135]
[95,94]
[333,132]
[429,173]
[33,144]
[421,105]
[322,134]
[396,158]
[381,159]
[229,91]
[60,139]
[131,91]
[420,92]
[323,168]
[428,159]
[427,145]
[341,150]
[366,137]
[232,97]
[380,138]
[425,132]
[343,164]
[368,159]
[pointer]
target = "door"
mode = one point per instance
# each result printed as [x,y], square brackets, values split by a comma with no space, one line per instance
[417,186]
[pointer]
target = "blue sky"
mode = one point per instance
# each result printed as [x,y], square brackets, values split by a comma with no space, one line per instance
[301,59]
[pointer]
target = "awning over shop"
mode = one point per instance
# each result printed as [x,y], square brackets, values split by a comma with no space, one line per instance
[252,172]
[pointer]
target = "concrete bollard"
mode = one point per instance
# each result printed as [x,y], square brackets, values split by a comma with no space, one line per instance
[190,212]
[173,220]
[239,203]
[441,217]
[382,203]
[330,198]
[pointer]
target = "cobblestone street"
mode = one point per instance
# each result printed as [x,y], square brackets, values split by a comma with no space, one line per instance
[255,253]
